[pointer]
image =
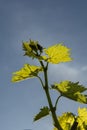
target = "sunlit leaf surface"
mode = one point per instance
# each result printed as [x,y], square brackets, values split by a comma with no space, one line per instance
[71,90]
[43,112]
[58,53]
[28,71]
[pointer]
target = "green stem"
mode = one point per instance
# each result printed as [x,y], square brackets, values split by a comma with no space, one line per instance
[40,81]
[57,101]
[46,88]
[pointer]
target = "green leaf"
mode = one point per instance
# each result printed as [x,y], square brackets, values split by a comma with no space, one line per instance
[71,90]
[66,121]
[58,53]
[28,71]
[43,112]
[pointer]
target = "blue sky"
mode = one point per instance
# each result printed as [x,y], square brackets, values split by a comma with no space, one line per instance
[49,22]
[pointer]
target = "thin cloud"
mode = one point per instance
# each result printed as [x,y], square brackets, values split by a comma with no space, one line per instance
[64,72]
[84,68]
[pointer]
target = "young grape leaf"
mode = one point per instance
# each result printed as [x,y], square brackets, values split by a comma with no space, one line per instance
[43,112]
[82,119]
[31,49]
[28,71]
[58,53]
[69,121]
[28,50]
[66,121]
[71,90]
[54,54]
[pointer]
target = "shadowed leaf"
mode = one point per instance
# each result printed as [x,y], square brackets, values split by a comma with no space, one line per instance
[33,49]
[43,112]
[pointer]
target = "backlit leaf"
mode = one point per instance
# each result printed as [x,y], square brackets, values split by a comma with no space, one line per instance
[58,53]
[66,121]
[43,112]
[69,121]
[28,71]
[54,54]
[82,119]
[71,90]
